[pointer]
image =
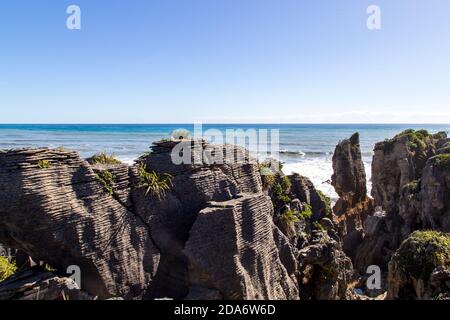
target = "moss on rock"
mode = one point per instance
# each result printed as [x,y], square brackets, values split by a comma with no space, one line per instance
[441,161]
[422,252]
[416,139]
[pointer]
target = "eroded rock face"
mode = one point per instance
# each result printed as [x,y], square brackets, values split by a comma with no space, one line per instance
[128,243]
[235,248]
[400,161]
[420,268]
[411,191]
[303,215]
[325,270]
[53,207]
[214,234]
[435,194]
[349,178]
[353,205]
[214,173]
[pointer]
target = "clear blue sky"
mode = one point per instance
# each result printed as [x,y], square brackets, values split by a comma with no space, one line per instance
[151,61]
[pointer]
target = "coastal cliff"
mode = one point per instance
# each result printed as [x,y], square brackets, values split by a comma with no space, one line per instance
[235,229]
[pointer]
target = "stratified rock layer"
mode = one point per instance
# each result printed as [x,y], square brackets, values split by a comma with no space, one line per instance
[208,173]
[130,243]
[410,185]
[53,208]
[232,248]
[353,205]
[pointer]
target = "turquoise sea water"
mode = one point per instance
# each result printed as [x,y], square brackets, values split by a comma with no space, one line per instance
[305,148]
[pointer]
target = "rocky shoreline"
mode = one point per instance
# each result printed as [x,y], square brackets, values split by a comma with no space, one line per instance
[238,230]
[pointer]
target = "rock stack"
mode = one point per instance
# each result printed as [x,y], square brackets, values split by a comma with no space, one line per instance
[353,205]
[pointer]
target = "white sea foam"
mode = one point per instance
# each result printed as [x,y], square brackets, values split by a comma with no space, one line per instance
[128,160]
[319,171]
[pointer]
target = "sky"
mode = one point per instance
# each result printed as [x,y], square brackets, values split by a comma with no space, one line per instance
[225,61]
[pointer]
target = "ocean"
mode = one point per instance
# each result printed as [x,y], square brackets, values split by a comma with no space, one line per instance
[305,148]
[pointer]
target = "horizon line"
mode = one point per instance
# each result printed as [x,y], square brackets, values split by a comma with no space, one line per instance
[226,123]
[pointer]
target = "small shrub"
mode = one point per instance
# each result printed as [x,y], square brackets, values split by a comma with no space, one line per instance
[49,268]
[290,216]
[180,134]
[445,148]
[286,184]
[307,212]
[441,161]
[104,158]
[44,164]
[7,269]
[413,186]
[280,194]
[274,165]
[267,177]
[317,225]
[325,200]
[156,184]
[108,180]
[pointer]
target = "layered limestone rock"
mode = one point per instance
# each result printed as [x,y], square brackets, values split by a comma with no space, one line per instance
[235,248]
[410,187]
[399,162]
[207,173]
[303,214]
[127,227]
[420,268]
[35,285]
[349,177]
[353,205]
[435,194]
[53,207]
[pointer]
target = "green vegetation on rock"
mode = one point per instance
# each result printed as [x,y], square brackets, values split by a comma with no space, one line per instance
[104,158]
[441,161]
[325,200]
[422,252]
[413,186]
[415,139]
[7,268]
[44,164]
[290,216]
[280,191]
[156,184]
[317,225]
[107,179]
[267,176]
[307,212]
